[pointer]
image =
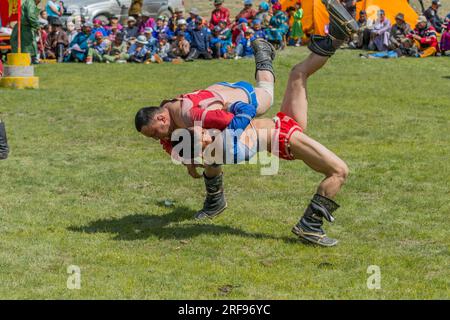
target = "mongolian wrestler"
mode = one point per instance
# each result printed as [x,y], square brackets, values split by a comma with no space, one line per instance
[285,136]
[181,112]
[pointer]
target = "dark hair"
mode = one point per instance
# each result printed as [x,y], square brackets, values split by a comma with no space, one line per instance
[145,116]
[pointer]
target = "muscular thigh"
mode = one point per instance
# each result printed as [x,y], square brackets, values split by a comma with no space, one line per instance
[314,154]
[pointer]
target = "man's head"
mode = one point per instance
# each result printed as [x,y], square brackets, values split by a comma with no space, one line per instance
[179,12]
[131,22]
[218,3]
[248,4]
[256,25]
[435,4]
[362,15]
[193,13]
[382,15]
[153,122]
[422,22]
[400,18]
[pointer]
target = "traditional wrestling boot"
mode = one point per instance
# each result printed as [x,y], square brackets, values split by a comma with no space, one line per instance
[215,202]
[4,150]
[342,26]
[309,227]
[264,55]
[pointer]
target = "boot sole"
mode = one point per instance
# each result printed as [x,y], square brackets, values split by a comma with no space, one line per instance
[213,215]
[311,240]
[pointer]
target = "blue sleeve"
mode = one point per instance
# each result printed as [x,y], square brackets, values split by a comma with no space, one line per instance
[243,115]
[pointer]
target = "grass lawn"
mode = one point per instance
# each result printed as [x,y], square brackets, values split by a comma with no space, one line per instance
[82,188]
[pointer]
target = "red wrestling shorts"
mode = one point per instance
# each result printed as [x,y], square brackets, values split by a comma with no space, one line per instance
[285,127]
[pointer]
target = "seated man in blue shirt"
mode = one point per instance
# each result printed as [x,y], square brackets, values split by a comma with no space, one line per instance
[200,45]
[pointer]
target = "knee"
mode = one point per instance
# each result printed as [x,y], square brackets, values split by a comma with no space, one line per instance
[342,172]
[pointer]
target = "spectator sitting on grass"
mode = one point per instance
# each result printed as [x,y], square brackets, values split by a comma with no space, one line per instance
[131,31]
[225,33]
[425,38]
[97,50]
[244,48]
[239,30]
[399,32]
[445,40]
[98,27]
[57,42]
[193,14]
[117,50]
[164,49]
[71,32]
[114,22]
[183,27]
[173,21]
[146,22]
[138,51]
[152,44]
[361,39]
[200,47]
[379,36]
[218,47]
[218,14]
[180,47]
[78,48]
[161,28]
[259,32]
[263,14]
[433,17]
[248,12]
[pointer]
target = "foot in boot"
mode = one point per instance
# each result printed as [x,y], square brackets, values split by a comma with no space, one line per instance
[309,227]
[264,55]
[342,24]
[215,202]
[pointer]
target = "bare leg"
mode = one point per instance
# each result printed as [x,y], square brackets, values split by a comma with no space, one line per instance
[322,160]
[264,91]
[295,102]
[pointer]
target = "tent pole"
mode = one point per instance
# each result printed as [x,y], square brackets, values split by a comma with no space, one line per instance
[19,26]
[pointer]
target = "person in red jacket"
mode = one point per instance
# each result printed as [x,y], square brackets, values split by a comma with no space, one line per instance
[218,14]
[248,12]
[425,38]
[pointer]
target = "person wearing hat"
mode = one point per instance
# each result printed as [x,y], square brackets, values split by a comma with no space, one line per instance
[114,23]
[131,31]
[117,50]
[178,14]
[193,14]
[161,28]
[278,26]
[180,47]
[218,14]
[239,30]
[152,44]
[183,27]
[244,48]
[98,27]
[57,42]
[138,51]
[399,32]
[97,49]
[218,47]
[248,12]
[263,14]
[433,17]
[200,46]
[78,48]
[425,38]
[380,33]
[259,32]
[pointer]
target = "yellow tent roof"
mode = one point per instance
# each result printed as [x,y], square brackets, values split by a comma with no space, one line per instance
[315,16]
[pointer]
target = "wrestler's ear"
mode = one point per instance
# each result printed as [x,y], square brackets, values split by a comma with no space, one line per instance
[161,118]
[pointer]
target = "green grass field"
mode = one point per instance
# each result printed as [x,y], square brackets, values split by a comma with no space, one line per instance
[82,187]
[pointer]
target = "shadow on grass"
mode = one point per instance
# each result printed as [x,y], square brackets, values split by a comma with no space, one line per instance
[446,77]
[141,226]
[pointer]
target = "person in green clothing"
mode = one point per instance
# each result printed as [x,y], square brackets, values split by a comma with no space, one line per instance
[29,28]
[117,52]
[297,28]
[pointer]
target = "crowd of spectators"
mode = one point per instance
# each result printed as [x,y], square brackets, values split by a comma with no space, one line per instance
[187,36]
